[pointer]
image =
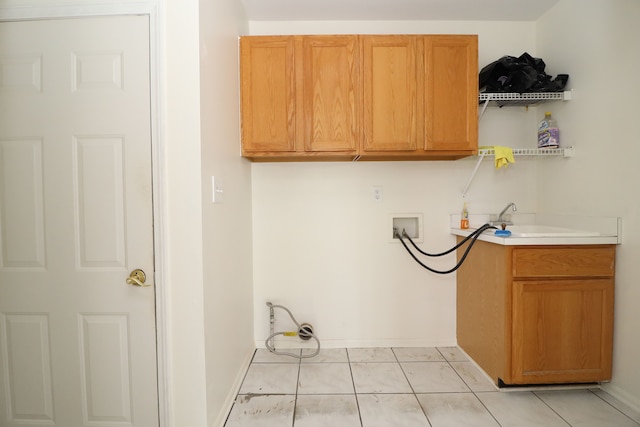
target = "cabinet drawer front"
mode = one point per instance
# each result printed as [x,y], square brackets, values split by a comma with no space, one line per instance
[564,262]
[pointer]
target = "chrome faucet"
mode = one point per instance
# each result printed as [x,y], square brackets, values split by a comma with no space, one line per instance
[500,217]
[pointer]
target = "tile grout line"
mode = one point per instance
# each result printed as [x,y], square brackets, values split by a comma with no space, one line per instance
[470,389]
[353,383]
[468,386]
[295,398]
[475,394]
[549,406]
[244,377]
[415,396]
[613,406]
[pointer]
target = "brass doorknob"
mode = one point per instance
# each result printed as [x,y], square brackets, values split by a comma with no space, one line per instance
[137,278]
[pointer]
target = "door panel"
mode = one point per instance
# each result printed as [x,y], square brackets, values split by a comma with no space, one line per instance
[78,342]
[392,93]
[268,82]
[331,93]
[22,216]
[106,388]
[562,330]
[26,344]
[99,200]
[451,92]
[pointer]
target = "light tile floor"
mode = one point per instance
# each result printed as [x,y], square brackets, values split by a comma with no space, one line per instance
[405,387]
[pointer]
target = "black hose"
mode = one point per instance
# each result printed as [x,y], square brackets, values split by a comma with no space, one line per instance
[470,236]
[473,236]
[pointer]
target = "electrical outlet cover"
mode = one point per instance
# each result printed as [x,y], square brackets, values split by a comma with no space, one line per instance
[217,190]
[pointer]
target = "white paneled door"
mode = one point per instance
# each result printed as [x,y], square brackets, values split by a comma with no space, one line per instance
[77,339]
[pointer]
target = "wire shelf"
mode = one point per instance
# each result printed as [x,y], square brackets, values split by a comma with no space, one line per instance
[523,99]
[519,99]
[537,152]
[518,152]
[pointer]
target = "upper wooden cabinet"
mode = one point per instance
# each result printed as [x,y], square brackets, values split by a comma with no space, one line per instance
[420,97]
[300,97]
[370,97]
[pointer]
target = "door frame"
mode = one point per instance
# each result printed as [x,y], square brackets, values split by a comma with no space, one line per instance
[152,10]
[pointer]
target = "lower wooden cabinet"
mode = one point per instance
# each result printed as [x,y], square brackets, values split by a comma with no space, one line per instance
[538,314]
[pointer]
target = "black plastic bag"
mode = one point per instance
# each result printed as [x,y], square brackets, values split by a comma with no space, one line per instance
[522,74]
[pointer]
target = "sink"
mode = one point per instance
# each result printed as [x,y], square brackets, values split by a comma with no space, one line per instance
[535,230]
[547,229]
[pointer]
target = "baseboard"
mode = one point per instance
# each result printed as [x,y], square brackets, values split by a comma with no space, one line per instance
[286,342]
[231,396]
[627,399]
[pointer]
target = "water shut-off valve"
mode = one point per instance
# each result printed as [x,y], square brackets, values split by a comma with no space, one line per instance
[305,332]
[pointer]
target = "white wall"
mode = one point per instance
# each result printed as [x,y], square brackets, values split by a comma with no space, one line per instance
[183,226]
[321,243]
[228,307]
[597,45]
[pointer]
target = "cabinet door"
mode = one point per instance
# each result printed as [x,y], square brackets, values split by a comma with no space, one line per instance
[331,94]
[268,100]
[393,85]
[451,117]
[562,331]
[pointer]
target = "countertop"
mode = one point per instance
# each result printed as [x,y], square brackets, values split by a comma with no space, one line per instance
[606,230]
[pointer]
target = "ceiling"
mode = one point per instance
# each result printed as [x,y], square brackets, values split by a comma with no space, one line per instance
[392,10]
